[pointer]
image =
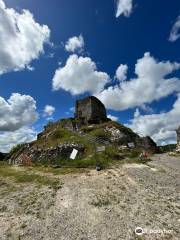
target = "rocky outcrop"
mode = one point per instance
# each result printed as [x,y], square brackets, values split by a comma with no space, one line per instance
[147,144]
[127,137]
[30,153]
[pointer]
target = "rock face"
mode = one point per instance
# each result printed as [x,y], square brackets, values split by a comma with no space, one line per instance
[147,143]
[39,154]
[91,110]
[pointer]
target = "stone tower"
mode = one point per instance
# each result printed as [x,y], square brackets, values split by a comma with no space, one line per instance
[178,139]
[90,110]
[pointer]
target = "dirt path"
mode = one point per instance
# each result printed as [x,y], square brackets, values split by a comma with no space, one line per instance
[105,205]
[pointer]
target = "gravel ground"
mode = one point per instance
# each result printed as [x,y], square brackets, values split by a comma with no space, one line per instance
[105,205]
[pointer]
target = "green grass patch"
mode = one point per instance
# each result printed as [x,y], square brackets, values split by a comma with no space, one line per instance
[61,134]
[61,170]
[26,176]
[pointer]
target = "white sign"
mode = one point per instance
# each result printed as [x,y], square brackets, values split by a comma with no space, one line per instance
[74,153]
[101,149]
[131,145]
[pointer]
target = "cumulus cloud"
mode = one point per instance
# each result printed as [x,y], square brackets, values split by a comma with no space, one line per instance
[146,108]
[18,111]
[79,75]
[175,32]
[161,127]
[121,72]
[152,83]
[11,139]
[113,118]
[124,7]
[75,43]
[22,39]
[49,110]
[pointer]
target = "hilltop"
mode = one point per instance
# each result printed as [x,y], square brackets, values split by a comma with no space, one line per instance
[90,132]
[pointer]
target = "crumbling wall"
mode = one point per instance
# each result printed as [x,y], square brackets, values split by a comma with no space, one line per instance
[90,109]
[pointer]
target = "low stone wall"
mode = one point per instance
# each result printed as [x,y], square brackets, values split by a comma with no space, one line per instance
[38,154]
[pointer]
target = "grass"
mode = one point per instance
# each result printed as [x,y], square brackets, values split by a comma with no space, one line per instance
[167,148]
[58,134]
[60,171]
[99,133]
[61,134]
[89,158]
[26,176]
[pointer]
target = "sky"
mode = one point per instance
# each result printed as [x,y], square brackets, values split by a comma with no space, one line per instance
[124,52]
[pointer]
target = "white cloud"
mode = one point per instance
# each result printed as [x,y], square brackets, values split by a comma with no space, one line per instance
[18,111]
[124,7]
[71,110]
[22,39]
[175,32]
[48,110]
[113,118]
[152,83]
[161,127]
[121,72]
[147,109]
[11,139]
[79,75]
[136,113]
[75,43]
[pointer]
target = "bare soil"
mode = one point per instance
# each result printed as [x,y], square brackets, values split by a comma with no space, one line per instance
[105,205]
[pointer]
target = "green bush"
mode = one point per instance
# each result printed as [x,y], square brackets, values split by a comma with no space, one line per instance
[99,133]
[111,152]
[14,150]
[134,153]
[87,129]
[61,133]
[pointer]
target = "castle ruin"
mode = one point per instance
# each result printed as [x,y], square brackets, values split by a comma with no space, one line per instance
[90,110]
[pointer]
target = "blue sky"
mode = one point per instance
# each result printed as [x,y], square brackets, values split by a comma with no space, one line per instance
[137,37]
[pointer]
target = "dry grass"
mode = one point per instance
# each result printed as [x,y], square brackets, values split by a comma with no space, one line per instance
[26,175]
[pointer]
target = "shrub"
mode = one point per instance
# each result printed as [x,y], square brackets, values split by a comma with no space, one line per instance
[134,153]
[14,150]
[112,152]
[61,133]
[100,133]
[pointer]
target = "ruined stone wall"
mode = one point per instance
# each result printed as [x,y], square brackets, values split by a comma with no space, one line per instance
[98,110]
[38,154]
[178,139]
[90,109]
[83,108]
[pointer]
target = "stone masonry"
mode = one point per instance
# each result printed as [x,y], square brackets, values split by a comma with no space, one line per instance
[178,139]
[90,110]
